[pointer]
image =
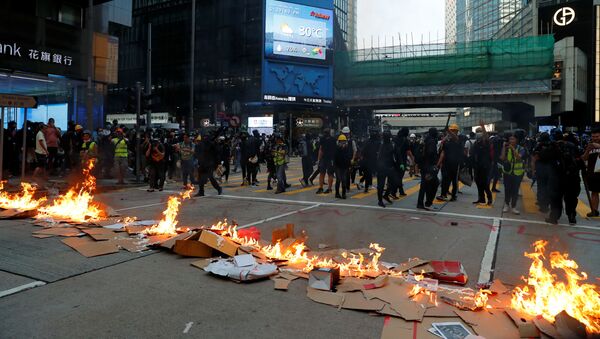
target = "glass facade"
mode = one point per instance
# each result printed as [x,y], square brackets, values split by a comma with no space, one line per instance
[228,55]
[228,41]
[475,20]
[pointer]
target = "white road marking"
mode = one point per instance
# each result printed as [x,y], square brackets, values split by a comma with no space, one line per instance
[21,288]
[485,274]
[399,209]
[278,216]
[138,207]
[188,326]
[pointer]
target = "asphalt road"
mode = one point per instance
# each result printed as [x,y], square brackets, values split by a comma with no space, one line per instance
[158,294]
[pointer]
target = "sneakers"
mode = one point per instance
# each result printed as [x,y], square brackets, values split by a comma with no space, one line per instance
[505,209]
[572,219]
[381,204]
[327,191]
[515,211]
[442,198]
[320,191]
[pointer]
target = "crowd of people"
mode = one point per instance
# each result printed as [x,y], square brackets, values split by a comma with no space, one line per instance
[555,161]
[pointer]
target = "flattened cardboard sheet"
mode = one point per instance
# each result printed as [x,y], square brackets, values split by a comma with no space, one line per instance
[490,324]
[90,248]
[281,284]
[60,231]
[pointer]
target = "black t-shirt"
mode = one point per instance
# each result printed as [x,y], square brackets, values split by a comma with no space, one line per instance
[328,145]
[430,153]
[453,151]
[482,153]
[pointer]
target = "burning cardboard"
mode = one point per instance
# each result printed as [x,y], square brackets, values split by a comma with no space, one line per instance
[22,201]
[545,295]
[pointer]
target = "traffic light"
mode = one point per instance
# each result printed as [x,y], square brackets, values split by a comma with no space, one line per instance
[131,102]
[150,102]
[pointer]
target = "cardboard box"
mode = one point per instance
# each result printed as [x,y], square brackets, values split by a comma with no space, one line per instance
[90,248]
[219,243]
[323,278]
[191,247]
[280,234]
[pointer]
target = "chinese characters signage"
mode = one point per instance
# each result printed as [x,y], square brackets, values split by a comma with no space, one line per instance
[45,56]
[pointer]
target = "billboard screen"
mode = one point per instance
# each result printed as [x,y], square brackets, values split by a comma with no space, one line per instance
[295,32]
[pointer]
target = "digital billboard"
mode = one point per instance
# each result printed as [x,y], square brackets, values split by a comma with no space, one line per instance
[298,56]
[297,32]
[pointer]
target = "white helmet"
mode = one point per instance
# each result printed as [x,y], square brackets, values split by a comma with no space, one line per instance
[346,130]
[412,135]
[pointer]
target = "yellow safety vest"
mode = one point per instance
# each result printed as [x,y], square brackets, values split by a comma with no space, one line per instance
[120,148]
[515,165]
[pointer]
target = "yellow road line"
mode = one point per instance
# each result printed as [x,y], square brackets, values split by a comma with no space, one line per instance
[529,198]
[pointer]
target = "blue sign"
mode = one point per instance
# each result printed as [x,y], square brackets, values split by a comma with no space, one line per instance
[297,64]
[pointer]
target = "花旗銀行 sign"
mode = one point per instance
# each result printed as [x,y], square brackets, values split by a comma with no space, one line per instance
[42,55]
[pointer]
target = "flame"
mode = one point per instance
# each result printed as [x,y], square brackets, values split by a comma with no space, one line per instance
[546,296]
[77,204]
[168,224]
[23,200]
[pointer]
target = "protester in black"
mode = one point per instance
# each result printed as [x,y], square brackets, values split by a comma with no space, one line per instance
[207,156]
[342,159]
[592,176]
[368,161]
[483,155]
[326,155]
[429,170]
[451,157]
[386,162]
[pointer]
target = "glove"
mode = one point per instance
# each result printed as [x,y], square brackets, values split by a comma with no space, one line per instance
[402,167]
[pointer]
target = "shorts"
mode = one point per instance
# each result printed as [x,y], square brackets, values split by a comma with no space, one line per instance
[326,167]
[593,182]
[41,160]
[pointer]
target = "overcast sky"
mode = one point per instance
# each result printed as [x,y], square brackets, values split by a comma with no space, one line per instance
[387,18]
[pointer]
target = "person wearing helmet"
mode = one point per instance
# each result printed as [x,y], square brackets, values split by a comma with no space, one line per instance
[341,162]
[451,157]
[89,149]
[121,154]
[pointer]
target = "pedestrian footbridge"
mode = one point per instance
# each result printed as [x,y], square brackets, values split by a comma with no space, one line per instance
[480,73]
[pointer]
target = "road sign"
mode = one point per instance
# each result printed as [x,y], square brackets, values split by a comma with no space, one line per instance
[14,100]
[234,121]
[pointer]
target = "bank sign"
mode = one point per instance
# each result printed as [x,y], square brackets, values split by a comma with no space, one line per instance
[298,52]
[34,45]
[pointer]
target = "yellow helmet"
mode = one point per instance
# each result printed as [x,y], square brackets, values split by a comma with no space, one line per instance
[78,127]
[453,127]
[342,138]
[198,138]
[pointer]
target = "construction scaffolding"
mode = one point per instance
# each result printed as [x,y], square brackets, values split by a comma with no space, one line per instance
[516,59]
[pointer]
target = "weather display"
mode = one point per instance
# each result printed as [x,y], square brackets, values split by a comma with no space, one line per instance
[297,31]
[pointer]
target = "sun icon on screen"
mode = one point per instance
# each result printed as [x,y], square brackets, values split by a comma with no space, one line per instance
[285,28]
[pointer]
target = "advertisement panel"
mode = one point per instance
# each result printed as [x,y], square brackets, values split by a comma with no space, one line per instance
[298,52]
[296,32]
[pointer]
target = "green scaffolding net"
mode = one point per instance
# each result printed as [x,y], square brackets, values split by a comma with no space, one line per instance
[528,58]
